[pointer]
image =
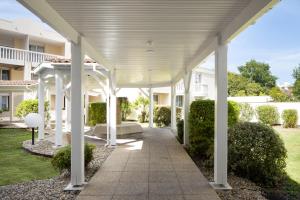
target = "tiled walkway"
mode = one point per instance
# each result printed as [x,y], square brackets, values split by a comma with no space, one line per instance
[155,168]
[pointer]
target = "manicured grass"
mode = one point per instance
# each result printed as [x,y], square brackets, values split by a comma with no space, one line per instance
[291,138]
[17,165]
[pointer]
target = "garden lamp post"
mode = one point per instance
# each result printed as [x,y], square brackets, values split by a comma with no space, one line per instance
[33,120]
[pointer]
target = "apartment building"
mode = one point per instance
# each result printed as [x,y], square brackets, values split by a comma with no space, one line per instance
[24,44]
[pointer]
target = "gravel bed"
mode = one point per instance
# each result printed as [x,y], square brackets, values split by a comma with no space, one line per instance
[242,189]
[43,147]
[52,189]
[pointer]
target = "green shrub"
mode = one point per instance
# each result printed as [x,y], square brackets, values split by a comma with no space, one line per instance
[201,126]
[97,113]
[180,126]
[31,106]
[290,118]
[142,104]
[256,152]
[162,116]
[246,112]
[62,159]
[267,114]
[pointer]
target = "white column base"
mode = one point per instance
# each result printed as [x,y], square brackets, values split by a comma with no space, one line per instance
[220,186]
[71,187]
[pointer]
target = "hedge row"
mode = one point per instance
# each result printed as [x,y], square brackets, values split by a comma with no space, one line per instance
[97,113]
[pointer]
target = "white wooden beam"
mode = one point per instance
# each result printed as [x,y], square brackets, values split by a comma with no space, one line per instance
[41,107]
[151,107]
[187,84]
[173,107]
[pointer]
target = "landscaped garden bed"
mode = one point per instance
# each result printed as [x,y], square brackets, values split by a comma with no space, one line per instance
[27,176]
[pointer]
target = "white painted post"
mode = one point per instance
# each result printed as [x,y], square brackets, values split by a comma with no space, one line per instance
[41,108]
[68,112]
[151,106]
[58,107]
[11,106]
[108,111]
[186,109]
[220,142]
[113,111]
[77,127]
[173,107]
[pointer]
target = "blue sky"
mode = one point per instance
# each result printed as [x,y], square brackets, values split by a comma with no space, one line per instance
[274,38]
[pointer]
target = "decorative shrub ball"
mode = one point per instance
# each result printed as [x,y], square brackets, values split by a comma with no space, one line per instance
[290,118]
[256,152]
[267,114]
[62,159]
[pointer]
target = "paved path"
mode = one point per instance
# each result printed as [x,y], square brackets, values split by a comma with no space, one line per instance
[155,168]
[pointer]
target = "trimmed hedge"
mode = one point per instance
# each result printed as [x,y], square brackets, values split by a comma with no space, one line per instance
[62,159]
[267,114]
[180,126]
[97,113]
[162,115]
[201,126]
[290,118]
[257,153]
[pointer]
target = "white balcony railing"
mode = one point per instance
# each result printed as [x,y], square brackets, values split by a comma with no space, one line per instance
[200,90]
[16,56]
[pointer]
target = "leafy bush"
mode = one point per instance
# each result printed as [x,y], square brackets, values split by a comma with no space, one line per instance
[125,107]
[180,126]
[31,106]
[278,95]
[290,118]
[201,126]
[97,113]
[246,112]
[62,159]
[141,104]
[162,116]
[256,152]
[267,114]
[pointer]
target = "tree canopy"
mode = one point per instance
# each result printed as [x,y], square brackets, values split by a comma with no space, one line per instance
[258,72]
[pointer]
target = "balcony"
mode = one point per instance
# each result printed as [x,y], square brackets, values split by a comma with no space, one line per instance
[15,56]
[200,90]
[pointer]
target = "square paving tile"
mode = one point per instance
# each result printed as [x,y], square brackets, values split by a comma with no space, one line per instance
[166,197]
[130,197]
[135,176]
[99,188]
[131,188]
[164,188]
[100,197]
[162,176]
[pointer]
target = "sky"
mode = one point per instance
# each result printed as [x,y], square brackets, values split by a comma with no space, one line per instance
[273,39]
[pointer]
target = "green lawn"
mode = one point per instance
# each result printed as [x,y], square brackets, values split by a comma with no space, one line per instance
[16,165]
[291,138]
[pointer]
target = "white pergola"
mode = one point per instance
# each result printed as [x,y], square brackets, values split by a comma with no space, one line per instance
[146,44]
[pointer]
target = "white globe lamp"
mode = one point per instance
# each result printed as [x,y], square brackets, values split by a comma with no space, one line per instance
[33,120]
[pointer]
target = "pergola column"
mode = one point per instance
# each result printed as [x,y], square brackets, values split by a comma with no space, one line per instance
[112,110]
[86,105]
[77,126]
[108,111]
[58,107]
[221,118]
[11,106]
[173,107]
[68,112]
[151,106]
[186,109]
[41,108]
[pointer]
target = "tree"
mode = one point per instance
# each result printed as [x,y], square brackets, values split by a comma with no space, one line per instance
[241,86]
[296,73]
[296,89]
[278,95]
[258,72]
[141,103]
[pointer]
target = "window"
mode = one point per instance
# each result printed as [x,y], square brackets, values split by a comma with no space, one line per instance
[4,74]
[4,103]
[179,101]
[155,98]
[198,78]
[36,48]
